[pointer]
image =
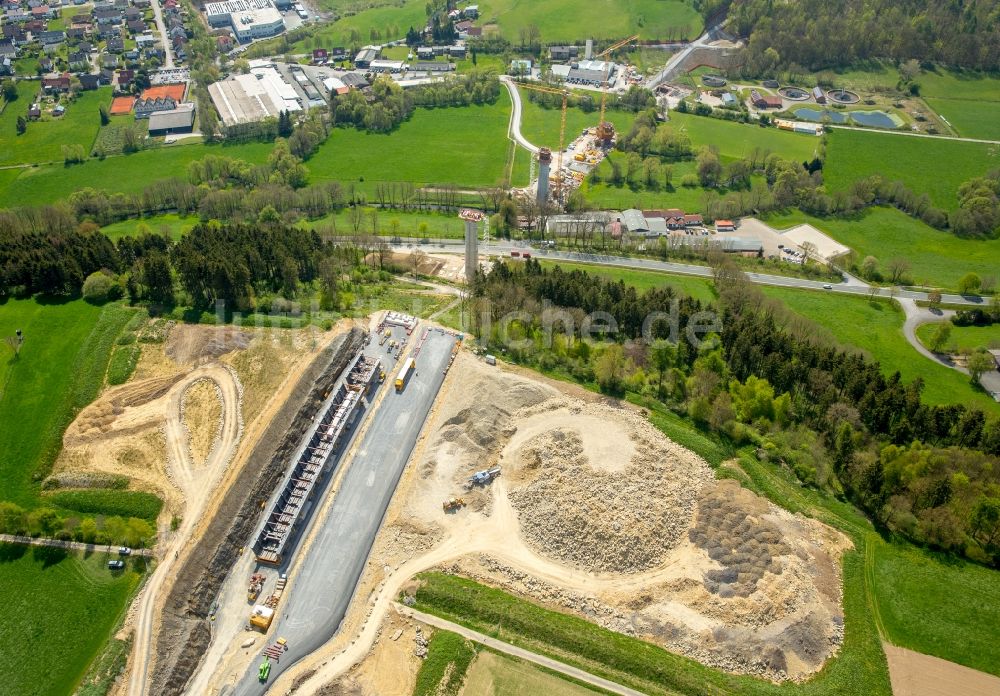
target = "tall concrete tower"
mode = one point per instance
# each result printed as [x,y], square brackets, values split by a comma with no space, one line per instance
[472,219]
[544,165]
[589,51]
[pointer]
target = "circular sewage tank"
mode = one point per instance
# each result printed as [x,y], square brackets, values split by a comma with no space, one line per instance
[793,93]
[842,96]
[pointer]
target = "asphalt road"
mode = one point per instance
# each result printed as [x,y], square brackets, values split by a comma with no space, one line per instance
[448,246]
[325,583]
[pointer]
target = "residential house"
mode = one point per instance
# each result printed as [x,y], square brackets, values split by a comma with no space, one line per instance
[471,33]
[132,55]
[725,226]
[154,53]
[224,43]
[79,61]
[56,83]
[42,12]
[124,79]
[6,65]
[45,64]
[52,38]
[109,60]
[34,112]
[16,16]
[106,76]
[34,27]
[132,13]
[75,33]
[88,81]
[8,49]
[136,26]
[109,16]
[145,40]
[463,26]
[141,4]
[116,45]
[15,34]
[472,11]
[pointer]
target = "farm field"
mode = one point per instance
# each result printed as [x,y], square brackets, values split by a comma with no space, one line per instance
[910,584]
[737,140]
[963,337]
[937,258]
[971,118]
[876,329]
[465,146]
[605,19]
[698,288]
[126,174]
[67,346]
[60,609]
[492,674]
[608,196]
[43,140]
[172,224]
[925,165]
[439,226]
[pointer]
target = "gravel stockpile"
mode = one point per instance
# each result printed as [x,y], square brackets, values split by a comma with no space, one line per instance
[623,517]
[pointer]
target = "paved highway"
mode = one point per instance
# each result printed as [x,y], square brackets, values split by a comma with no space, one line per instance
[852,287]
[322,588]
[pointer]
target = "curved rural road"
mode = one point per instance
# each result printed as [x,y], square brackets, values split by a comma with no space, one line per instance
[197,483]
[915,316]
[514,130]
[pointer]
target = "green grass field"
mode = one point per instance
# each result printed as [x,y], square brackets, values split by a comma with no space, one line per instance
[43,140]
[911,585]
[173,225]
[739,140]
[963,338]
[937,258]
[59,610]
[493,674]
[608,196]
[970,101]
[407,224]
[127,174]
[443,671]
[61,368]
[465,146]
[876,328]
[541,126]
[925,165]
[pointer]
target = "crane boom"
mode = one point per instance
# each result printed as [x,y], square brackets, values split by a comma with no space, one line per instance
[605,131]
[562,132]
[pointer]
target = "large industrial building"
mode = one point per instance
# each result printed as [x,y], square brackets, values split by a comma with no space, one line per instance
[253,97]
[249,19]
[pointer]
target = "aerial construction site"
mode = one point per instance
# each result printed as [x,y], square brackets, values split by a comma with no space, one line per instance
[316,474]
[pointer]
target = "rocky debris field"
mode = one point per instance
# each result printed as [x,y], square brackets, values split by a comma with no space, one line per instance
[599,519]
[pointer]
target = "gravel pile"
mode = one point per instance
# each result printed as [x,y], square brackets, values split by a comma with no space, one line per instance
[625,521]
[730,529]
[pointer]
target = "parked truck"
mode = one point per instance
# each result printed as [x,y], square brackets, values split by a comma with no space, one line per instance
[409,367]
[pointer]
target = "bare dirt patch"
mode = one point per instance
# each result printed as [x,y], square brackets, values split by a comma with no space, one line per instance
[914,674]
[202,414]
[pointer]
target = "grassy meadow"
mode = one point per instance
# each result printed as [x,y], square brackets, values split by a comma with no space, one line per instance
[970,101]
[495,674]
[465,146]
[443,671]
[698,288]
[126,174]
[43,140]
[61,368]
[926,165]
[59,610]
[963,338]
[910,584]
[173,225]
[876,329]
[937,258]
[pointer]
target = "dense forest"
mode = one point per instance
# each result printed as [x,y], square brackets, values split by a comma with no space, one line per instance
[818,34]
[930,472]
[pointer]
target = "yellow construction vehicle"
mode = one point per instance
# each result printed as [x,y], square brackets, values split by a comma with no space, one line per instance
[453,504]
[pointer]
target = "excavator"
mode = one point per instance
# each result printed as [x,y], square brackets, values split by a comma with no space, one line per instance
[264,670]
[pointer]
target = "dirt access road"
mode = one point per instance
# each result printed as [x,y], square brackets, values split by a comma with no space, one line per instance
[197,484]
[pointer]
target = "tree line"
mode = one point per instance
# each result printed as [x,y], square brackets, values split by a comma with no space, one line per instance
[817,34]
[929,472]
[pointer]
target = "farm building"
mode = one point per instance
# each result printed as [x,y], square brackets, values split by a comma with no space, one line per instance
[765,101]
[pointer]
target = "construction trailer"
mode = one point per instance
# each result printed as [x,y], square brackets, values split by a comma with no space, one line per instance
[409,367]
[261,617]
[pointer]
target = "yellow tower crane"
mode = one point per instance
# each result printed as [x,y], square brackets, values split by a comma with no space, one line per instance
[562,132]
[605,130]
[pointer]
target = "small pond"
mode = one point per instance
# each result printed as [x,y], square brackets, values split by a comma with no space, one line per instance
[873,119]
[817,115]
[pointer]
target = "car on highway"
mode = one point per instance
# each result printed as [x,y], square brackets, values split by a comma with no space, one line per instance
[116,564]
[827,286]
